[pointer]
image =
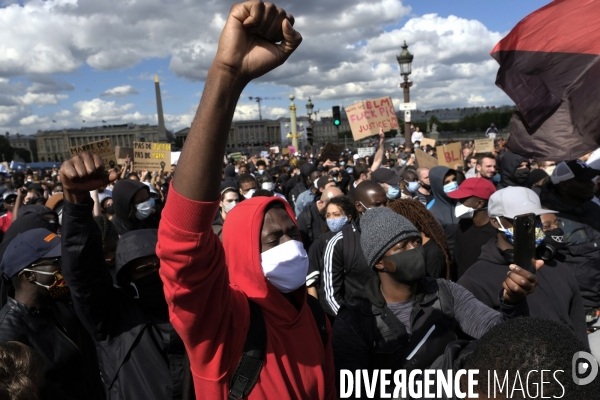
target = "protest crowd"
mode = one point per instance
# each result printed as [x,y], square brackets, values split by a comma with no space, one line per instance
[266,277]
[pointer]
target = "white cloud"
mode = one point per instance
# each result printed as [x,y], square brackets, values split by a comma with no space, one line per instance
[97,110]
[124,90]
[42,98]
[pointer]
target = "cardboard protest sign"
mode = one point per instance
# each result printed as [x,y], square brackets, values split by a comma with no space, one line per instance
[366,117]
[151,156]
[285,151]
[274,150]
[484,146]
[424,160]
[101,147]
[450,154]
[427,141]
[121,153]
[365,151]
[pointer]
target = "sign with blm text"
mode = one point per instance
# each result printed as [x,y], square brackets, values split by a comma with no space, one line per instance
[365,151]
[101,147]
[151,156]
[366,117]
[450,154]
[484,146]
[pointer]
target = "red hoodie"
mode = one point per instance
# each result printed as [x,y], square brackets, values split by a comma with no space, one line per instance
[208,303]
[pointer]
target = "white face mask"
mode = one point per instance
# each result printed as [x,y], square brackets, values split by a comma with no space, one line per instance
[229,206]
[250,193]
[143,210]
[285,266]
[550,170]
[461,211]
[268,186]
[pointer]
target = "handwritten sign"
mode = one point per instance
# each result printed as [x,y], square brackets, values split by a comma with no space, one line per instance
[101,147]
[424,160]
[366,117]
[365,151]
[484,146]
[450,154]
[151,156]
[427,141]
[274,150]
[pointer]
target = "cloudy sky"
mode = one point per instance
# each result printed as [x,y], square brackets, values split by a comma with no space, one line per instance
[74,60]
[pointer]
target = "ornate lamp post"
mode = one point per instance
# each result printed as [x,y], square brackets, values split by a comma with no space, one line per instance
[405,61]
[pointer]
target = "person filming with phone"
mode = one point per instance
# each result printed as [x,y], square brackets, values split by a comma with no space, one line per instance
[557,296]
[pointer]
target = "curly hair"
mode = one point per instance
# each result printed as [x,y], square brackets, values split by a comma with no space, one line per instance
[425,222]
[21,372]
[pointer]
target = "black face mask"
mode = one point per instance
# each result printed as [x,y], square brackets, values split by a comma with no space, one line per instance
[148,292]
[556,238]
[425,186]
[521,175]
[508,255]
[410,265]
[110,209]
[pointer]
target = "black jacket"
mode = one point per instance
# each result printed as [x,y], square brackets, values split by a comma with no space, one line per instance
[443,206]
[556,297]
[139,359]
[311,224]
[70,363]
[345,268]
[230,178]
[295,192]
[588,213]
[368,335]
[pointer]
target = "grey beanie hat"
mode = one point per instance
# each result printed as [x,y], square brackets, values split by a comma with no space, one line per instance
[381,229]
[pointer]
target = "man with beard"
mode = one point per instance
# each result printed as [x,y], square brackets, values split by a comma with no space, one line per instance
[389,323]
[139,352]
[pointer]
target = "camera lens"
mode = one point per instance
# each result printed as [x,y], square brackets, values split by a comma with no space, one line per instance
[545,252]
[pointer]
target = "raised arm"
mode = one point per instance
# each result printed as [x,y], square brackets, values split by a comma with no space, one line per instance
[94,297]
[380,152]
[247,50]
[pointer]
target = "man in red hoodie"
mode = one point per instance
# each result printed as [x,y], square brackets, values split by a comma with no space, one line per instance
[208,284]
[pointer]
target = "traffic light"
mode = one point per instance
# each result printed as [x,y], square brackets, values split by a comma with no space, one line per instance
[309,135]
[337,119]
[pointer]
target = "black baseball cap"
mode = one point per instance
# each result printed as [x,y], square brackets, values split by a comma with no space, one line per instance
[28,247]
[384,175]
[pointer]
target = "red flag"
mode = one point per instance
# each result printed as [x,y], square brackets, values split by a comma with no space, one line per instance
[550,68]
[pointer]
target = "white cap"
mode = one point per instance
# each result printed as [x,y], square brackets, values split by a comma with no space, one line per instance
[513,201]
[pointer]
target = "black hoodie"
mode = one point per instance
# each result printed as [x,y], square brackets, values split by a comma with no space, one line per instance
[230,178]
[123,194]
[556,297]
[443,206]
[510,163]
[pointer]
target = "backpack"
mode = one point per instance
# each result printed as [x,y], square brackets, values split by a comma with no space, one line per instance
[248,369]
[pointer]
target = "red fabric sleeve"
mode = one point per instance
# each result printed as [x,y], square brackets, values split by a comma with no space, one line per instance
[196,286]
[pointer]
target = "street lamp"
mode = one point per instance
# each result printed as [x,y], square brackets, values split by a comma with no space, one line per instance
[405,61]
[309,108]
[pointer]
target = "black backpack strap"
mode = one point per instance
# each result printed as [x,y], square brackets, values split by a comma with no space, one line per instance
[319,316]
[246,374]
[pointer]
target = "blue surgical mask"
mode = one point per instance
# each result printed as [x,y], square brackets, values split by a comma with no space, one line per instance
[342,163]
[413,186]
[350,170]
[450,187]
[336,224]
[403,162]
[510,234]
[393,191]
[261,171]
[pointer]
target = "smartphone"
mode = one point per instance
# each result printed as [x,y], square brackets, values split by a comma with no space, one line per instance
[524,241]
